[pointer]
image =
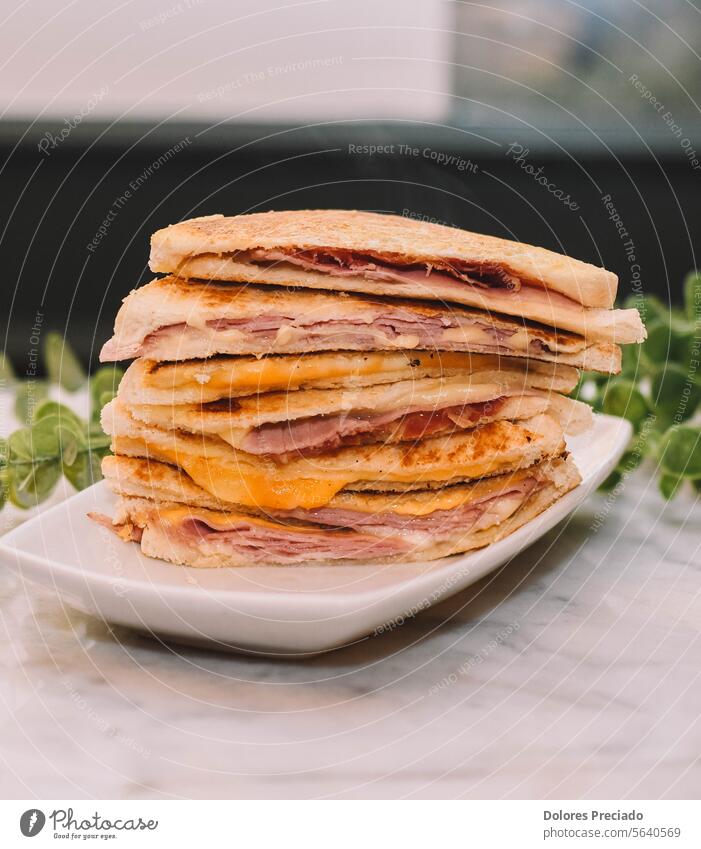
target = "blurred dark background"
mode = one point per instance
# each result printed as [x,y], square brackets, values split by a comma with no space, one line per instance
[578,131]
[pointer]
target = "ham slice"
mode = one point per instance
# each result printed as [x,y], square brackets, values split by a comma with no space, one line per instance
[327,533]
[340,263]
[385,332]
[267,326]
[487,286]
[314,434]
[472,516]
[261,543]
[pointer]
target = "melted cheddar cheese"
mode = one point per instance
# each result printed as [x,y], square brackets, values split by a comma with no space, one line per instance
[220,520]
[248,484]
[240,478]
[270,374]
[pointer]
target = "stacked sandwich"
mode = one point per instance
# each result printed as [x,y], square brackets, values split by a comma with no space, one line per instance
[345,386]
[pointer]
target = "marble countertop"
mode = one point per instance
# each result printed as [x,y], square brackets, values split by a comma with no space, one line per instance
[571,672]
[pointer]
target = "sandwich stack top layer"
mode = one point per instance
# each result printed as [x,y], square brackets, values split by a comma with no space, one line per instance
[488,258]
[391,256]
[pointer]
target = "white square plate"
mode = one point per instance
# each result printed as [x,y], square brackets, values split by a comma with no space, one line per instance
[297,609]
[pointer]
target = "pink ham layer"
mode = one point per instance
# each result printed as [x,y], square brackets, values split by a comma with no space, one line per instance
[287,545]
[342,535]
[495,282]
[439,523]
[260,544]
[345,333]
[342,263]
[315,434]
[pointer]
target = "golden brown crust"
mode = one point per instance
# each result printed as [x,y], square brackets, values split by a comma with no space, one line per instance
[144,478]
[535,304]
[159,541]
[384,234]
[201,381]
[232,419]
[171,301]
[492,449]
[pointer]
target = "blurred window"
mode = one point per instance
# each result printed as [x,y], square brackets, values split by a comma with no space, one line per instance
[592,65]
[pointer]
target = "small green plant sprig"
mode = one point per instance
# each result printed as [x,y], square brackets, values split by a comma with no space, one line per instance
[658,391]
[54,441]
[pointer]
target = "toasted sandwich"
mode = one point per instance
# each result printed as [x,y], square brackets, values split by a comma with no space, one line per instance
[172,319]
[189,381]
[388,255]
[263,483]
[176,520]
[313,421]
[343,387]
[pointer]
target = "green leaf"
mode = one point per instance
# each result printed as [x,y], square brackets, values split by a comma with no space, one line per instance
[680,451]
[581,383]
[30,484]
[104,399]
[28,396]
[650,307]
[675,393]
[62,365]
[103,387]
[669,485]
[44,439]
[692,296]
[69,436]
[667,340]
[48,409]
[629,461]
[622,398]
[633,364]
[611,482]
[85,471]
[20,446]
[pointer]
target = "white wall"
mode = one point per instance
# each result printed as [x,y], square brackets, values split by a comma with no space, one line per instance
[213,60]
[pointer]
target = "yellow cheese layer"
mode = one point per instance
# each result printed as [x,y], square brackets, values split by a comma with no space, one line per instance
[243,483]
[222,521]
[277,373]
[263,485]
